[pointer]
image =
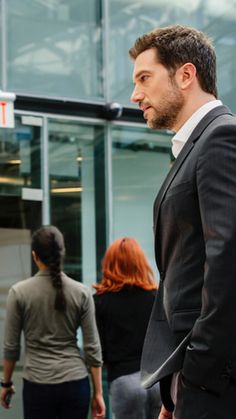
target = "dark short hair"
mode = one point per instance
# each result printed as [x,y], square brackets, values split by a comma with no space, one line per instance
[177,45]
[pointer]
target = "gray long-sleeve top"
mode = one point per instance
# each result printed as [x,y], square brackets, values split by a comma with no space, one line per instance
[51,351]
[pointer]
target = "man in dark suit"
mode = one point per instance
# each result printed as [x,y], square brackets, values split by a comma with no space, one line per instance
[190,345]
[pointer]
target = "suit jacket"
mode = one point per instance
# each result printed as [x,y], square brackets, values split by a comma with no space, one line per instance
[191,326]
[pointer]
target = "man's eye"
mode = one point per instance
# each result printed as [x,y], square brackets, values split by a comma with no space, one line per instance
[144,78]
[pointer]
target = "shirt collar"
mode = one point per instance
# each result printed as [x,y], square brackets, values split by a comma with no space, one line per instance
[186,130]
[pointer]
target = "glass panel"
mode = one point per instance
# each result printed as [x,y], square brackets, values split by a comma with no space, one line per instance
[129,19]
[140,162]
[54,47]
[1,37]
[73,183]
[19,170]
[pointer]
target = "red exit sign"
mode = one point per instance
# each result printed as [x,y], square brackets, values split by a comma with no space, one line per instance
[7,119]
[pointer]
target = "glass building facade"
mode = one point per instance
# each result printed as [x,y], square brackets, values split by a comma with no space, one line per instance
[69,161]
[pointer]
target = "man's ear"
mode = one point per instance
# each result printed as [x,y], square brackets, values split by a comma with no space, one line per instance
[186,75]
[35,257]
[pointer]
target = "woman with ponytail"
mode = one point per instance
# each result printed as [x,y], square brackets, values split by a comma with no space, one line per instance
[124,301]
[49,308]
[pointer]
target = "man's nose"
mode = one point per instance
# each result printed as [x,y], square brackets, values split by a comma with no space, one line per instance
[136,96]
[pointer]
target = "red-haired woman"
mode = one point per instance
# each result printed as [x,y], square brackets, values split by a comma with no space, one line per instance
[123,303]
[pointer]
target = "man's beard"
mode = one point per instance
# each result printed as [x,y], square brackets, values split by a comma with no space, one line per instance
[167,114]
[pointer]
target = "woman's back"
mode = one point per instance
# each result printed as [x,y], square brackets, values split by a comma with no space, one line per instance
[52,354]
[49,308]
[122,319]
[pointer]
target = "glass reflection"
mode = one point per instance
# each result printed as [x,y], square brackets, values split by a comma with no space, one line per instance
[140,162]
[71,168]
[54,47]
[130,19]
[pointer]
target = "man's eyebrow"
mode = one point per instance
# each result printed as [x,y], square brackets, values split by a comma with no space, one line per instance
[139,73]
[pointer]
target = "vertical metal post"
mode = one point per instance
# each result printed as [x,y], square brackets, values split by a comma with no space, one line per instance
[4,44]
[105,29]
[108,186]
[45,174]
[107,128]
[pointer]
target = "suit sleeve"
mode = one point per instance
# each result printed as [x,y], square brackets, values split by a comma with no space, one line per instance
[210,358]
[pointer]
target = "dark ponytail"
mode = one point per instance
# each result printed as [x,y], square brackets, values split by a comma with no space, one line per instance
[48,244]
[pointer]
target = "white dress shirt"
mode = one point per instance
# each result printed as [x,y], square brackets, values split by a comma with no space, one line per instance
[186,130]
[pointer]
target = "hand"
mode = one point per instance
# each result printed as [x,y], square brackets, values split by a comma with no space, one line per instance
[4,393]
[165,414]
[98,407]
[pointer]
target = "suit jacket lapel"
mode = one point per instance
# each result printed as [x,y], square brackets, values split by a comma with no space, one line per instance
[177,164]
[209,117]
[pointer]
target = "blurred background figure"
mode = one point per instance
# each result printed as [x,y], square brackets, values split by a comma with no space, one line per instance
[49,308]
[123,302]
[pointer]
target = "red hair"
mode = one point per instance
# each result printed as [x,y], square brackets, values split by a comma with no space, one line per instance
[125,263]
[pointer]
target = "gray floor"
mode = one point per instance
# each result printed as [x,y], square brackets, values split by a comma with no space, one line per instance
[16,411]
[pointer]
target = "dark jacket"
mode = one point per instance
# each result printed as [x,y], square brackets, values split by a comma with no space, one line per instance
[195,247]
